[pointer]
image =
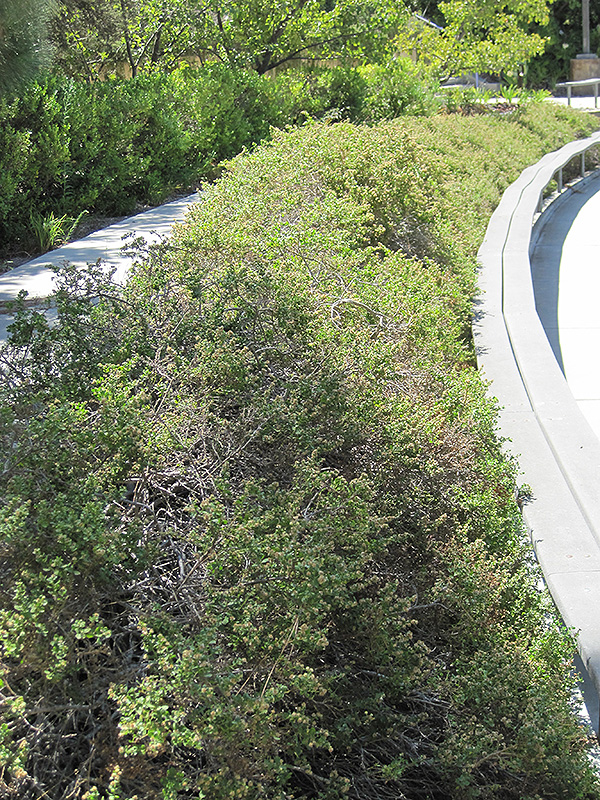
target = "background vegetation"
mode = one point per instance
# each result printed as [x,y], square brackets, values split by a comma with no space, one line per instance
[66,145]
[492,35]
[495,36]
[94,38]
[564,42]
[259,539]
[24,45]
[239,33]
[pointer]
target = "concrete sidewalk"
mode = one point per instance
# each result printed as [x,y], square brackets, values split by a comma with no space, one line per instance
[585,103]
[37,279]
[565,267]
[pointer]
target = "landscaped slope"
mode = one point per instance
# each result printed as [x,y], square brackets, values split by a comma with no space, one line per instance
[259,539]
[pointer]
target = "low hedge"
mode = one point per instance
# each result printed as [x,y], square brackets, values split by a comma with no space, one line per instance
[259,537]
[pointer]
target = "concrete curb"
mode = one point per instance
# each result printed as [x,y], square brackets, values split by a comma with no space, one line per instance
[558,452]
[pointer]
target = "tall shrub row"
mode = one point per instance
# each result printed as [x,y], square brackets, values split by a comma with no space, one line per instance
[66,146]
[259,539]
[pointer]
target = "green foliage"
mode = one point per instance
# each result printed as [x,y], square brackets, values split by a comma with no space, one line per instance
[369,93]
[150,34]
[563,32]
[395,90]
[23,41]
[491,36]
[259,537]
[105,147]
[93,36]
[97,37]
[471,100]
[52,231]
[86,35]
[265,36]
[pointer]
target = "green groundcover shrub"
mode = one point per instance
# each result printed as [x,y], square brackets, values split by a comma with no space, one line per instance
[66,146]
[258,538]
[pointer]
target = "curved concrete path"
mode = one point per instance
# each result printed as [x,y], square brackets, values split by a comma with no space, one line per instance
[557,449]
[565,270]
[565,267]
[37,279]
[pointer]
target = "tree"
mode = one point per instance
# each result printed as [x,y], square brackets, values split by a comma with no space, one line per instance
[86,33]
[494,35]
[23,41]
[257,34]
[158,31]
[489,36]
[92,34]
[264,35]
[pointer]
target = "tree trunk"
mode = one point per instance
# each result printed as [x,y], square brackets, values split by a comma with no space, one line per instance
[263,62]
[127,38]
[156,49]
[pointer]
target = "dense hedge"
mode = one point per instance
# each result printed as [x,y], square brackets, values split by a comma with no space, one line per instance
[258,536]
[66,146]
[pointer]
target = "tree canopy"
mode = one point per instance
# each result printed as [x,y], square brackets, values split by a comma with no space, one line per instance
[23,43]
[489,36]
[494,35]
[244,33]
[264,35]
[90,34]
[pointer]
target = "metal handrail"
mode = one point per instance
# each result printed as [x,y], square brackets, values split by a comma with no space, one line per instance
[585,82]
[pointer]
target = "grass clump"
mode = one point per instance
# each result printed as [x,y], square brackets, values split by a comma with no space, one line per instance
[259,536]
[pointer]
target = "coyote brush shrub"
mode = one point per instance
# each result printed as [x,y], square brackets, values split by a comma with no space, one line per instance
[259,537]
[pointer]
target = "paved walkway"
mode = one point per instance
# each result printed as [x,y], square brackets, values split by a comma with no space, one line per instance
[565,269]
[583,103]
[565,266]
[37,279]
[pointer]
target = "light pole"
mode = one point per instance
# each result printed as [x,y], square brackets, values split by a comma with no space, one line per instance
[585,26]
[587,64]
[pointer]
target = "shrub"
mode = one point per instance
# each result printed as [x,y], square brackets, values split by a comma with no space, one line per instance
[35,150]
[368,93]
[107,147]
[259,535]
[397,89]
